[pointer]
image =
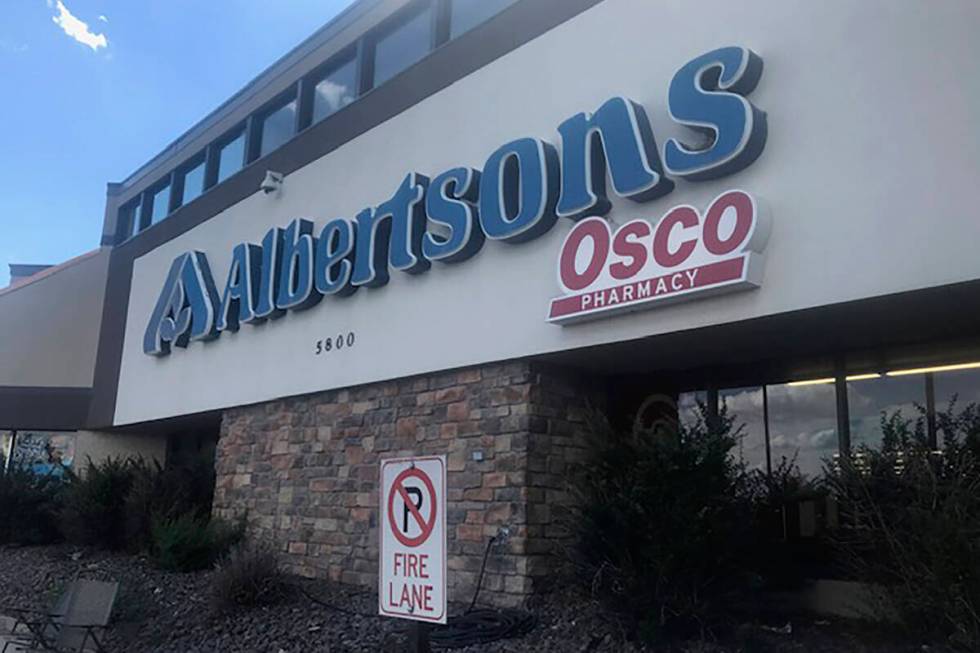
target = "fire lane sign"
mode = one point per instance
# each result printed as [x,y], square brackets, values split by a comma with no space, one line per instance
[412,578]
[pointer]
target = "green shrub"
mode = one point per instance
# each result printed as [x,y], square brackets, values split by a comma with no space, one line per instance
[661,524]
[911,527]
[191,542]
[94,504]
[163,494]
[249,576]
[29,505]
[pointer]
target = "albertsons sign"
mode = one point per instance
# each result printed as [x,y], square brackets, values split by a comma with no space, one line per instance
[525,186]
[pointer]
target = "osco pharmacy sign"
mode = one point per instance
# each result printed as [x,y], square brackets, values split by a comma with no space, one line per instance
[524,188]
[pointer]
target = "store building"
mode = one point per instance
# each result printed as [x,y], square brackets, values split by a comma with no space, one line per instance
[455,226]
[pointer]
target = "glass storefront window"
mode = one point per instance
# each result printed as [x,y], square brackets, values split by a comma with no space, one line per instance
[803,424]
[956,391]
[689,407]
[900,399]
[335,91]
[402,46]
[745,407]
[278,127]
[467,14]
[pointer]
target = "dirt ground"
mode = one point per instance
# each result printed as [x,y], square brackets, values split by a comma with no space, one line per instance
[172,613]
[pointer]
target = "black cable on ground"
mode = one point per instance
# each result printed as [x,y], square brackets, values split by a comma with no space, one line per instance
[484,625]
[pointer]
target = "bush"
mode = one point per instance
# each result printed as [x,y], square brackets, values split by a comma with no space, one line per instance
[191,542]
[94,510]
[661,525]
[249,576]
[159,494]
[29,505]
[911,527]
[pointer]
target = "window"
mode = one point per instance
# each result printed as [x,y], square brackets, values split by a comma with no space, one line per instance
[467,14]
[335,91]
[745,407]
[193,183]
[689,408]
[231,157]
[159,204]
[402,46]
[898,399]
[803,424]
[277,128]
[129,220]
[956,391]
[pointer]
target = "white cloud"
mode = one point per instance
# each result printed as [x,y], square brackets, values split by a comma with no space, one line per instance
[77,29]
[103,19]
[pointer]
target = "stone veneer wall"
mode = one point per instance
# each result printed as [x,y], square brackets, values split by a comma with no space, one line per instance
[305,470]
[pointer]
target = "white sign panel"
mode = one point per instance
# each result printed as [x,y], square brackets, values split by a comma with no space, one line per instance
[412,578]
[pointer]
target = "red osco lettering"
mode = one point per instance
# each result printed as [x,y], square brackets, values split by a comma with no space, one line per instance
[683,216]
[744,217]
[636,252]
[596,230]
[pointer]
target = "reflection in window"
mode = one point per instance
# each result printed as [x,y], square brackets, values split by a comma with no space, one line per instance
[745,407]
[6,442]
[278,127]
[955,391]
[689,407]
[335,91]
[868,398]
[232,157]
[193,183]
[803,423]
[402,47]
[467,14]
[160,204]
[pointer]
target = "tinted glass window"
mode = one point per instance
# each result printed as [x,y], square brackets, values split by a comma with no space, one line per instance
[278,127]
[160,204]
[803,424]
[232,158]
[957,396]
[193,183]
[335,91]
[467,14]
[884,405]
[401,47]
[689,408]
[129,220]
[744,406]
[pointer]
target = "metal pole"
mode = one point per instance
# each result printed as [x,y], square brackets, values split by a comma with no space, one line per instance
[931,412]
[843,414]
[418,638]
[765,424]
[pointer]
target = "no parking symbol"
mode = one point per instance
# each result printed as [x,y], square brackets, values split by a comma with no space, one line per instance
[412,579]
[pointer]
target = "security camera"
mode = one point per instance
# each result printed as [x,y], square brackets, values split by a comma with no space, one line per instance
[272,182]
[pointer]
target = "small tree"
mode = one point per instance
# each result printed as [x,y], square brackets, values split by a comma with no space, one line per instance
[911,526]
[661,522]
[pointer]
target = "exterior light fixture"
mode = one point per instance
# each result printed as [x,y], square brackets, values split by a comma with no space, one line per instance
[939,368]
[272,182]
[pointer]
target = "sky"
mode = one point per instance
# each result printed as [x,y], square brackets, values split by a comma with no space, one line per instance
[92,89]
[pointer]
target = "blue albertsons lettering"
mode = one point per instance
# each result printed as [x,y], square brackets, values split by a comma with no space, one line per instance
[524,187]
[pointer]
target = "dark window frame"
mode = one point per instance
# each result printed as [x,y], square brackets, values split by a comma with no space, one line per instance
[215,148]
[369,42]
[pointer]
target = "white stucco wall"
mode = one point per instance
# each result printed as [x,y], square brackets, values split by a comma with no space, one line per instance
[870,175]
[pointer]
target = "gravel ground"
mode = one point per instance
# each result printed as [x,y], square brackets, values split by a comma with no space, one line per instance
[165,612]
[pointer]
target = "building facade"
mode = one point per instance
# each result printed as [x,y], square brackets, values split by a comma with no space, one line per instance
[459,226]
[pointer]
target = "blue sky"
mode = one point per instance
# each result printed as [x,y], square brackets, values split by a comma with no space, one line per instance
[92,89]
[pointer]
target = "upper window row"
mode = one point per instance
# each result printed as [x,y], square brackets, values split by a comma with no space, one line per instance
[385,52]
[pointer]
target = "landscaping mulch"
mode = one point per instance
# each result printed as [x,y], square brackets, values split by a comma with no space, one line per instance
[172,613]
